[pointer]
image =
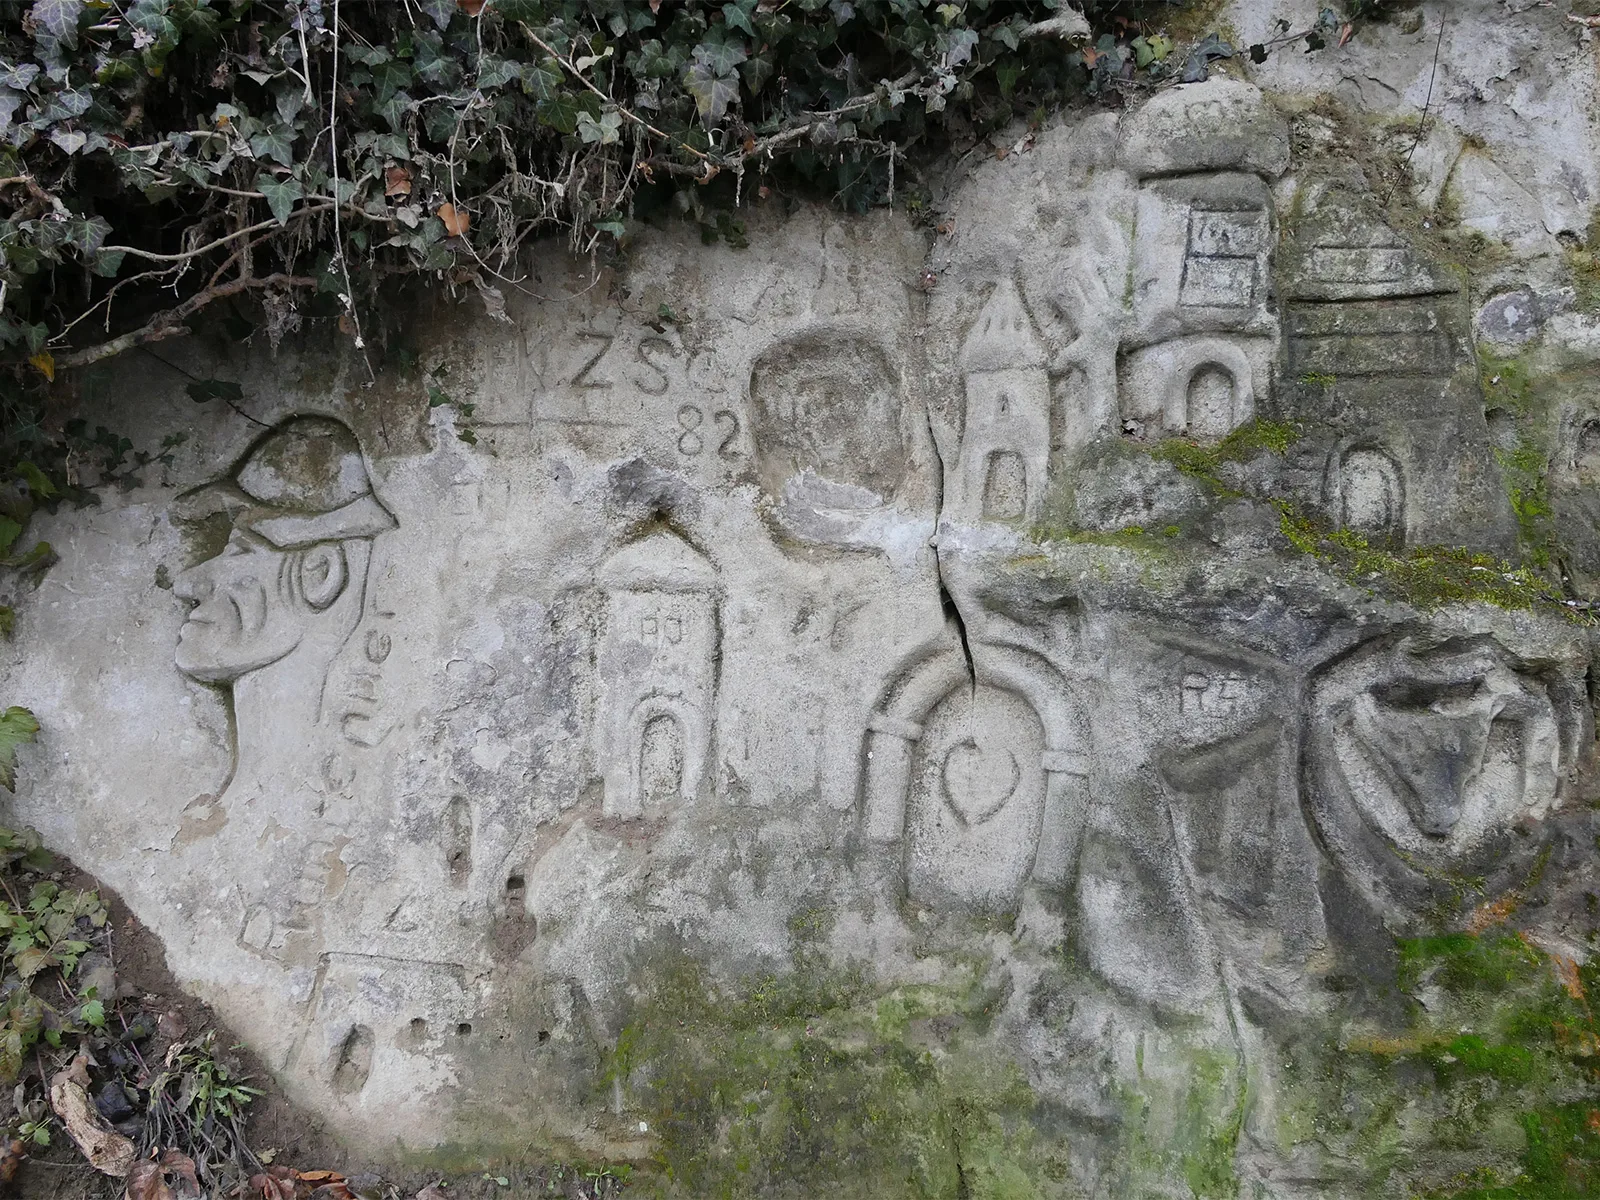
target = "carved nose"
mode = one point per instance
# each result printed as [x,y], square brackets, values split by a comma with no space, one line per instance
[1435,799]
[191,585]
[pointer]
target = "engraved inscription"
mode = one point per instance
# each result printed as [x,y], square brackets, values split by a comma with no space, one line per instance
[585,378]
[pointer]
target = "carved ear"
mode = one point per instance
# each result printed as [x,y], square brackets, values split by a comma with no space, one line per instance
[322,575]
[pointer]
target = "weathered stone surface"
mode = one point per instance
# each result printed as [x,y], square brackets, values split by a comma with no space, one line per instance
[859,712]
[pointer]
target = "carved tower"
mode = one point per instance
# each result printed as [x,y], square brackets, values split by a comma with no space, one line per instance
[1005,445]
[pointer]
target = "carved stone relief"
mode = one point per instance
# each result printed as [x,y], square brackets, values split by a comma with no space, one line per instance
[774,637]
[1005,444]
[1366,493]
[657,673]
[983,779]
[1423,757]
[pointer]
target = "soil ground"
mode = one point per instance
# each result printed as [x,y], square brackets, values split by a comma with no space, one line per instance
[294,1137]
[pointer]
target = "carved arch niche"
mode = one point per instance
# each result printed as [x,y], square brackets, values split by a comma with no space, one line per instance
[1366,493]
[984,784]
[1201,386]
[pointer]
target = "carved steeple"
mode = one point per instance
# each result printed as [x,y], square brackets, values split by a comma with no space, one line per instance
[1002,338]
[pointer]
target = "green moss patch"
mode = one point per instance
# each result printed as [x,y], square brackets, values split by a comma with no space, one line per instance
[1425,576]
[816,1084]
[1492,1090]
[1203,462]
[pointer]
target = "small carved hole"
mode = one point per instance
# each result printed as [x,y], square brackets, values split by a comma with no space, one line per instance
[354,1064]
[463,1029]
[419,1027]
[544,1036]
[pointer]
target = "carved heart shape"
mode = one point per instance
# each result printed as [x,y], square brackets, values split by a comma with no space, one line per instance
[978,782]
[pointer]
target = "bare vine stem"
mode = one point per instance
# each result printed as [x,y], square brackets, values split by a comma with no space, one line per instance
[349,296]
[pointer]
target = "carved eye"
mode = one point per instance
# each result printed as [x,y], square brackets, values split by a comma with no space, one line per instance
[1424,694]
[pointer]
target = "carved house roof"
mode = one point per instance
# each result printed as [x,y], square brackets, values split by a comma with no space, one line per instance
[1002,337]
[661,562]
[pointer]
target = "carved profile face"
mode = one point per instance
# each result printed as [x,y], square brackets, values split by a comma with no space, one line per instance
[303,516]
[253,604]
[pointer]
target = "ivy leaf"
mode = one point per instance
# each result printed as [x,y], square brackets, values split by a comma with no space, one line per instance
[560,111]
[720,58]
[88,234]
[106,263]
[606,130]
[70,141]
[388,78]
[10,531]
[10,101]
[394,109]
[58,19]
[280,193]
[276,143]
[756,72]
[958,48]
[735,16]
[38,483]
[20,76]
[712,92]
[17,726]
[496,72]
[540,81]
[440,10]
[94,1013]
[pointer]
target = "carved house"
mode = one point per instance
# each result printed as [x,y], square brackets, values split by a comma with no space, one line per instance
[1005,446]
[657,675]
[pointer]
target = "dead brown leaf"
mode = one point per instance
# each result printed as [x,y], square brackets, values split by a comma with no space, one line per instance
[456,220]
[1346,32]
[107,1151]
[346,325]
[11,1160]
[275,1183]
[397,181]
[432,1192]
[181,1167]
[145,1182]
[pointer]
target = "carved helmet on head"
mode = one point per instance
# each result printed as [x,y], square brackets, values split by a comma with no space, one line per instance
[302,483]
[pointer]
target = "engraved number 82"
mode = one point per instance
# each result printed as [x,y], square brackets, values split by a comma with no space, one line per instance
[692,442]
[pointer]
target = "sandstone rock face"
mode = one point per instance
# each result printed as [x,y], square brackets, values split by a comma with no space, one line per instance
[855,719]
